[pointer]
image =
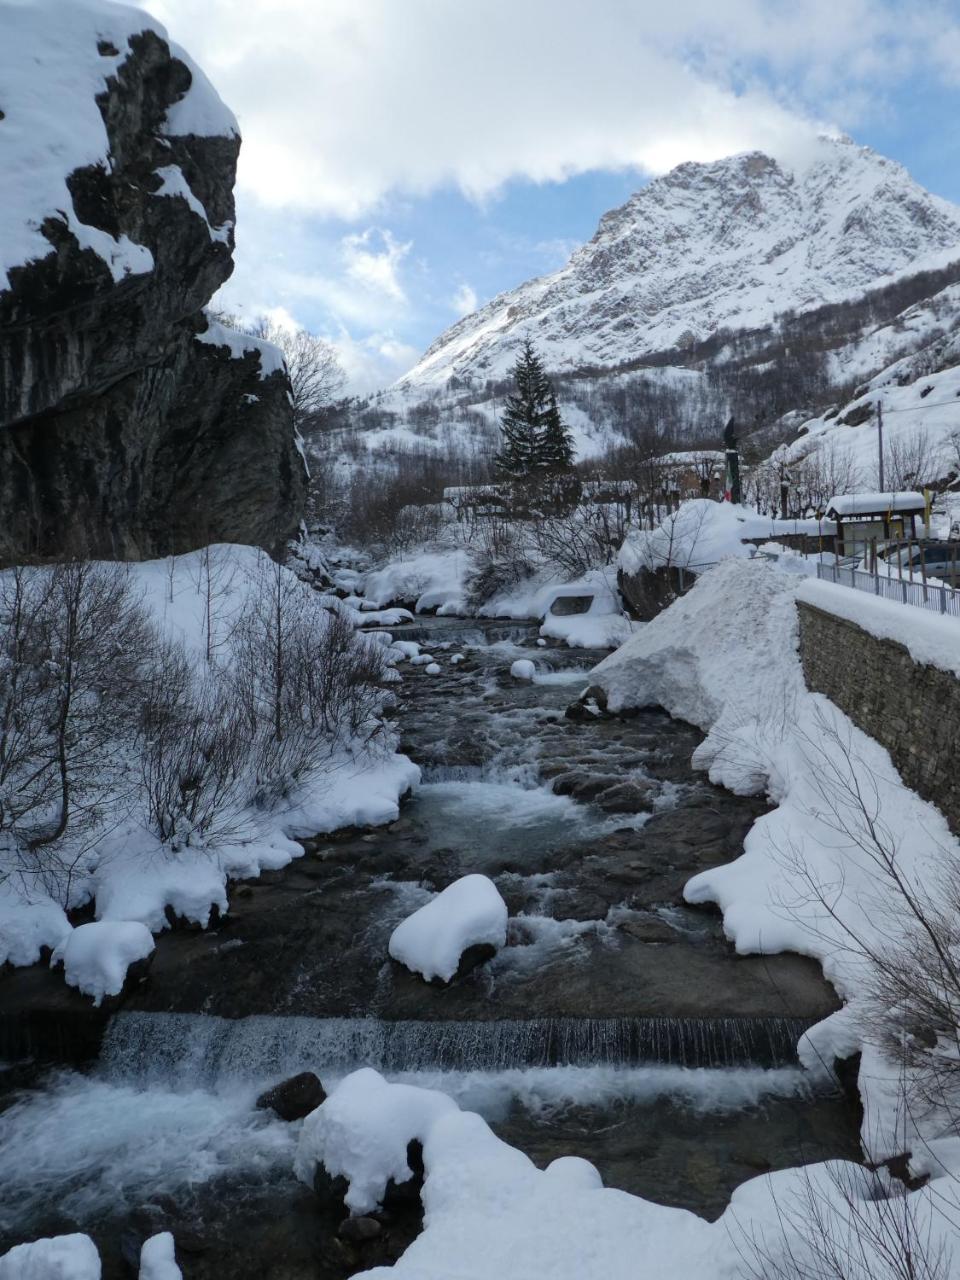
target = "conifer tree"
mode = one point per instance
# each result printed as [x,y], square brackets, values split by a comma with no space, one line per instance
[535,441]
[556,442]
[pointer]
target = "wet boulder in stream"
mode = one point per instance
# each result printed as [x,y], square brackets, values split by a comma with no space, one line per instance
[294,1098]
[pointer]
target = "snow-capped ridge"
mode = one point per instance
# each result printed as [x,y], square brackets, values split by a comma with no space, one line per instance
[728,244]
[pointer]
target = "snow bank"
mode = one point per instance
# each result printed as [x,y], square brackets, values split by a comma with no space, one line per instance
[75,1257]
[432,580]
[96,956]
[701,532]
[362,1132]
[468,912]
[158,1259]
[724,657]
[29,921]
[489,1212]
[71,1257]
[52,72]
[603,626]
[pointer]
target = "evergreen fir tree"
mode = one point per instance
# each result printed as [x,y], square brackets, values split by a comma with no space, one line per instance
[535,441]
[556,442]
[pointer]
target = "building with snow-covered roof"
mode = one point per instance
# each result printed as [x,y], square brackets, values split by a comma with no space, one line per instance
[864,518]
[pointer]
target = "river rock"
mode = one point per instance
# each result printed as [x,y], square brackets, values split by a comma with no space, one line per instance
[359,1230]
[294,1098]
[131,426]
[628,797]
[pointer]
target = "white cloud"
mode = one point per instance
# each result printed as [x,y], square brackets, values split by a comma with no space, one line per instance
[464,300]
[344,102]
[376,360]
[372,269]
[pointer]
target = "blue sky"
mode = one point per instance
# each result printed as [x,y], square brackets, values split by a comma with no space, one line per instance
[406,160]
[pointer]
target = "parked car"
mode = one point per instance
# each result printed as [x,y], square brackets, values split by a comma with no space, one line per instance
[932,559]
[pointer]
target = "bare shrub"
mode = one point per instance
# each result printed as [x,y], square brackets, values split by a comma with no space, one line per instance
[913,460]
[843,1222]
[72,668]
[303,683]
[193,747]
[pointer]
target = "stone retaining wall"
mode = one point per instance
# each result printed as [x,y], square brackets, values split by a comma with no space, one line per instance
[910,708]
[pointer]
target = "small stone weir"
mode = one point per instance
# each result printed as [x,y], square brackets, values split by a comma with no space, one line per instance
[204,1051]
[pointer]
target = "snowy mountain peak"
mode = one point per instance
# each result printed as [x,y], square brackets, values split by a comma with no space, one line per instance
[724,245]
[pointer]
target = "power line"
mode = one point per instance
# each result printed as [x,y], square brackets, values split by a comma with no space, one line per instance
[937,404]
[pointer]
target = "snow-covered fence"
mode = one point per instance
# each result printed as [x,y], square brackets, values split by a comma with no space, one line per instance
[939,598]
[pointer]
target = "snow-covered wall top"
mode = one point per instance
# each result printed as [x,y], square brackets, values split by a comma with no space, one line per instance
[56,57]
[729,244]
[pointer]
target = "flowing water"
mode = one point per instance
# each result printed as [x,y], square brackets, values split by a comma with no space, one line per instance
[617,1024]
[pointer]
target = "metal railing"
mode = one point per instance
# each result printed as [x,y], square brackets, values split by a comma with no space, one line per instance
[922,595]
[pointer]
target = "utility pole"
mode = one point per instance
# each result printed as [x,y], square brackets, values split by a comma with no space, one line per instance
[880,440]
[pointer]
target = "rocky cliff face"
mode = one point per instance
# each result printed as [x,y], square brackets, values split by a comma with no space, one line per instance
[128,426]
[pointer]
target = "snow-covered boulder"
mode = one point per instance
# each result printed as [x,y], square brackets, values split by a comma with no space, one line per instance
[151,430]
[362,1132]
[96,956]
[158,1259]
[72,1257]
[468,913]
[523,669]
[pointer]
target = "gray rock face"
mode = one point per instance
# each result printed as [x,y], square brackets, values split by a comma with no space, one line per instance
[121,435]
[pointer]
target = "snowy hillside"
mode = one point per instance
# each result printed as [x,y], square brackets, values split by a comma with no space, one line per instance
[727,245]
[920,399]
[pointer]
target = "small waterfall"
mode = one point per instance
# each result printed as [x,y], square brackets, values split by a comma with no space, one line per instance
[204,1051]
[465,631]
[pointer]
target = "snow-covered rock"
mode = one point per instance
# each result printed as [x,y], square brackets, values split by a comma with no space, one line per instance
[523,669]
[430,580]
[432,668]
[96,956]
[362,1132]
[158,1259]
[117,166]
[468,913]
[72,1257]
